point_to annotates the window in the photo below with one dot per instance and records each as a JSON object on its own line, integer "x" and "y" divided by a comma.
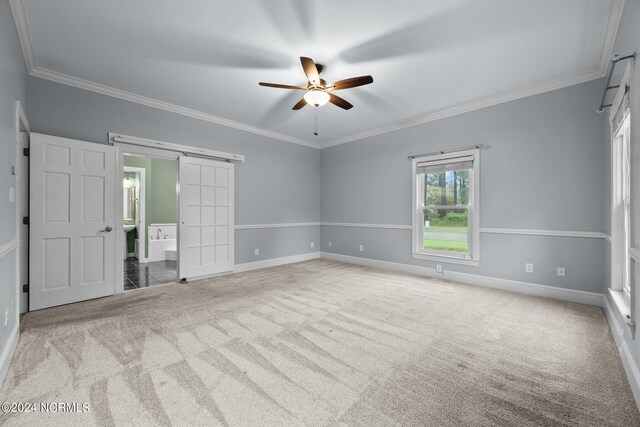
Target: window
{"x": 445, "y": 207}
{"x": 621, "y": 209}
{"x": 621, "y": 243}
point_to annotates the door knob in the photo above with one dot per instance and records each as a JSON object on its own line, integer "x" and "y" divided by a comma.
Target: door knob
{"x": 107, "y": 229}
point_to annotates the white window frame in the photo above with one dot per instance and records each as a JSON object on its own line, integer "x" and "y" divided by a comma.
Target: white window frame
{"x": 418, "y": 252}
{"x": 623, "y": 254}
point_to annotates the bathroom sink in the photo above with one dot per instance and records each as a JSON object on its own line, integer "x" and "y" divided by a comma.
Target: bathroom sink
{"x": 128, "y": 228}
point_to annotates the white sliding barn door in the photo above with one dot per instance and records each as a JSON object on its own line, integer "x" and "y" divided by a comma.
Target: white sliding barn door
{"x": 206, "y": 217}
{"x": 72, "y": 221}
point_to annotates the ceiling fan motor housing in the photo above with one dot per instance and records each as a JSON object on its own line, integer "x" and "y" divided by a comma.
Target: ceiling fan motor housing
{"x": 317, "y": 88}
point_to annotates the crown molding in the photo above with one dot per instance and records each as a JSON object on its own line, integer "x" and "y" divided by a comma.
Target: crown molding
{"x": 22, "y": 26}
{"x": 162, "y": 105}
{"x": 402, "y": 124}
{"x": 20, "y": 18}
{"x": 613, "y": 25}
{"x": 466, "y": 108}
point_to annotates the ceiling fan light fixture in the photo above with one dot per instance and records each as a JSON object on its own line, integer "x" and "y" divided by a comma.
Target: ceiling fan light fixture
{"x": 316, "y": 97}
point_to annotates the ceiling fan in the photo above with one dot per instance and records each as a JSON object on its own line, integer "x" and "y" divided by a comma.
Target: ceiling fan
{"x": 318, "y": 89}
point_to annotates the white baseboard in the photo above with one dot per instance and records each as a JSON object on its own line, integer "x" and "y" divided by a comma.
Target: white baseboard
{"x": 385, "y": 265}
{"x": 545, "y": 291}
{"x": 274, "y": 262}
{"x": 8, "y": 351}
{"x": 631, "y": 368}
{"x": 617, "y": 329}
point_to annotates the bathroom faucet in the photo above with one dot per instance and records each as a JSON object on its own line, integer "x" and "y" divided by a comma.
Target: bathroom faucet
{"x": 158, "y": 234}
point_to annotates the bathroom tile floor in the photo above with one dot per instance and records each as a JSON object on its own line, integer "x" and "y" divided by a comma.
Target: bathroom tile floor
{"x": 137, "y": 275}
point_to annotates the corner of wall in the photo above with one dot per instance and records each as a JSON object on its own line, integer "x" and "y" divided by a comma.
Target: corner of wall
{"x": 622, "y": 337}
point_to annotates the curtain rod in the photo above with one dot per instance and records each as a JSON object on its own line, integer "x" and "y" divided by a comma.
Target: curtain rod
{"x": 607, "y": 87}
{"x": 415, "y": 156}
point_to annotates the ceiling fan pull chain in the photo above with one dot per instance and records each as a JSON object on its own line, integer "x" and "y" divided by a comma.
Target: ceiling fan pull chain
{"x": 315, "y": 121}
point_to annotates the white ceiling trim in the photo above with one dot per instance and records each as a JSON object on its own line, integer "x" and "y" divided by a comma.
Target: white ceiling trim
{"x": 613, "y": 23}
{"x": 162, "y": 105}
{"x": 20, "y": 18}
{"x": 466, "y": 108}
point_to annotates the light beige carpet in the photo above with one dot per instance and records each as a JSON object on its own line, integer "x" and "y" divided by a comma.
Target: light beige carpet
{"x": 321, "y": 343}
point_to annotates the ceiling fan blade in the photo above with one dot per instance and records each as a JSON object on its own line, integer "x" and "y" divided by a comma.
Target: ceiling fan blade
{"x": 352, "y": 82}
{"x": 300, "y": 104}
{"x": 336, "y": 100}
{"x": 279, "y": 86}
{"x": 310, "y": 70}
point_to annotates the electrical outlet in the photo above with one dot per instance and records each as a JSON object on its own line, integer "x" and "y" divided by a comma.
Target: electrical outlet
{"x": 12, "y": 195}
{"x": 257, "y": 252}
{"x": 561, "y": 272}
{"x": 329, "y": 244}
{"x": 439, "y": 268}
{"x": 361, "y": 248}
{"x": 528, "y": 267}
{"x": 313, "y": 244}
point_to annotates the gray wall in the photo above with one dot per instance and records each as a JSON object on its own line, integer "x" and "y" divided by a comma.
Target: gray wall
{"x": 542, "y": 168}
{"x": 628, "y": 40}
{"x": 12, "y": 88}
{"x": 279, "y": 183}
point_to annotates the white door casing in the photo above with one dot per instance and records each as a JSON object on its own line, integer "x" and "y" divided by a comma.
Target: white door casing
{"x": 22, "y": 200}
{"x": 206, "y": 232}
{"x": 72, "y": 237}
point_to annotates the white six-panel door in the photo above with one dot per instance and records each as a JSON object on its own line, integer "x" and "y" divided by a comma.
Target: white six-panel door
{"x": 206, "y": 217}
{"x": 72, "y": 221}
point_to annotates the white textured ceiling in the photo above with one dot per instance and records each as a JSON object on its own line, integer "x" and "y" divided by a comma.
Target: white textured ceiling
{"x": 425, "y": 55}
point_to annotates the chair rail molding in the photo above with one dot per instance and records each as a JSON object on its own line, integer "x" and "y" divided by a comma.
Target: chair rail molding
{"x": 363, "y": 225}
{"x": 535, "y": 232}
{"x": 9, "y": 247}
{"x": 280, "y": 225}
{"x": 486, "y": 230}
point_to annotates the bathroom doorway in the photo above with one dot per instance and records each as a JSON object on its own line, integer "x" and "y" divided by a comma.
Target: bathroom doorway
{"x": 150, "y": 215}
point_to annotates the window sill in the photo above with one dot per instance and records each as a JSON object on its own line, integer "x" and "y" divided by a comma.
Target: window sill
{"x": 446, "y": 259}
{"x": 620, "y": 303}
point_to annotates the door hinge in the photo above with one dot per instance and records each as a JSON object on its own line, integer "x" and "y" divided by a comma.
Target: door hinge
{"x": 25, "y": 288}
{"x": 25, "y": 220}
{"x": 26, "y": 152}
